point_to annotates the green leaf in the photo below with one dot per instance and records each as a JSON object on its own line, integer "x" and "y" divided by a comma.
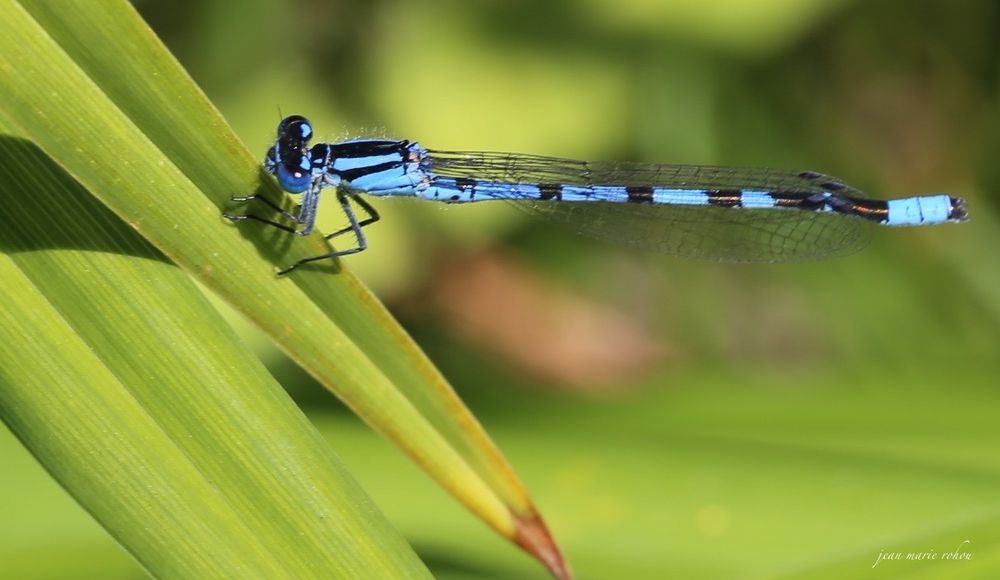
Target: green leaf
{"x": 92, "y": 86}
{"x": 134, "y": 393}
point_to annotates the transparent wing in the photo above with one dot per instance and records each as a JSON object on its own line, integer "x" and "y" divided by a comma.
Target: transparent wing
{"x": 526, "y": 169}
{"x": 711, "y": 233}
{"x": 702, "y": 231}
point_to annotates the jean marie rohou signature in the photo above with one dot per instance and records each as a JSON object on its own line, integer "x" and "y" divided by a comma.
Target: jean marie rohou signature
{"x": 959, "y": 553}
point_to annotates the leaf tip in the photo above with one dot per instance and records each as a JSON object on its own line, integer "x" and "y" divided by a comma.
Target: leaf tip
{"x": 534, "y": 537}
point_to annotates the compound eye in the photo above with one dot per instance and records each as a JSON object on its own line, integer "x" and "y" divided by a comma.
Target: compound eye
{"x": 297, "y": 178}
{"x": 295, "y": 128}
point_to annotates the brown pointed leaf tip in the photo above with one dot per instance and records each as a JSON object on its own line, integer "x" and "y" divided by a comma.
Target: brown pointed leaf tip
{"x": 534, "y": 537}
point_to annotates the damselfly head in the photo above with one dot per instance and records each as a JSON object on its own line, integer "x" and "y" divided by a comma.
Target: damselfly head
{"x": 289, "y": 158}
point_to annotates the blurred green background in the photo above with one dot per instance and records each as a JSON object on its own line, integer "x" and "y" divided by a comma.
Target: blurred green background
{"x": 671, "y": 418}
